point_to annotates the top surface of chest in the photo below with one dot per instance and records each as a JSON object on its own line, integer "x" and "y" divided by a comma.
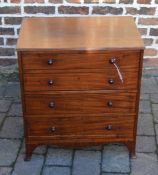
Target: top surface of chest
{"x": 79, "y": 34}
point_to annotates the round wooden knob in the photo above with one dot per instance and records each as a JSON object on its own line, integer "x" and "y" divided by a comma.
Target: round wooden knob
{"x": 112, "y": 60}
{"x": 50, "y": 61}
{"x": 51, "y": 104}
{"x": 111, "y": 81}
{"x": 50, "y": 82}
{"x": 109, "y": 103}
{"x": 53, "y": 129}
{"x": 109, "y": 127}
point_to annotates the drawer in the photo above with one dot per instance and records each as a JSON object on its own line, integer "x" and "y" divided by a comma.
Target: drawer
{"x": 106, "y": 79}
{"x": 80, "y": 103}
{"x": 52, "y": 61}
{"x": 117, "y": 126}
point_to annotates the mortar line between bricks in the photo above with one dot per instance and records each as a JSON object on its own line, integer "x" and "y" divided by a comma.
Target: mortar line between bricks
{"x": 11, "y": 138}
{"x": 154, "y": 127}
{"x": 7, "y": 166}
{"x": 149, "y": 94}
{"x": 72, "y": 163}
{"x": 117, "y": 173}
{"x": 148, "y": 152}
{"x": 9, "y": 106}
{"x": 101, "y": 161}
{"x": 7, "y": 98}
{"x": 12, "y": 99}
{"x": 18, "y": 153}
{"x": 44, "y": 161}
{"x": 146, "y": 135}
{"x": 2, "y": 123}
{"x": 13, "y": 116}
{"x": 66, "y": 166}
{"x": 130, "y": 162}
{"x": 150, "y": 76}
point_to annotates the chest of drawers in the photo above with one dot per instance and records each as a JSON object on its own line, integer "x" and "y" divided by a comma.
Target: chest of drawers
{"x": 80, "y": 81}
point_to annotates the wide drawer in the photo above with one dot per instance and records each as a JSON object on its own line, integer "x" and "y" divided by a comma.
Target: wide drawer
{"x": 117, "y": 126}
{"x": 74, "y": 103}
{"x": 51, "y": 61}
{"x": 106, "y": 79}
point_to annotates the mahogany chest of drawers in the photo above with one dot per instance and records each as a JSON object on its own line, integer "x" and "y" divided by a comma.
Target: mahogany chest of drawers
{"x": 80, "y": 80}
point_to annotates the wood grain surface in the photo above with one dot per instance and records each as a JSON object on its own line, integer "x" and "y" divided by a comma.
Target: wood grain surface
{"x": 80, "y": 103}
{"x": 79, "y": 33}
{"x": 38, "y": 60}
{"x": 108, "y": 79}
{"x": 81, "y": 125}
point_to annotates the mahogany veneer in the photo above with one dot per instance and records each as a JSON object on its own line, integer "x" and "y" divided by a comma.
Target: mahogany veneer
{"x": 80, "y": 80}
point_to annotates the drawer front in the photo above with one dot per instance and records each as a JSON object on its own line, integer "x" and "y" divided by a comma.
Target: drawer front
{"x": 118, "y": 126}
{"x": 74, "y": 103}
{"x": 53, "y": 61}
{"x": 107, "y": 79}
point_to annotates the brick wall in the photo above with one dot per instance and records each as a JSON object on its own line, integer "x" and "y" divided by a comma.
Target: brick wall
{"x": 145, "y": 13}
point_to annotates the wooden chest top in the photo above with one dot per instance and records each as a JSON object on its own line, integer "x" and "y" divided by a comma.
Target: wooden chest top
{"x": 79, "y": 34}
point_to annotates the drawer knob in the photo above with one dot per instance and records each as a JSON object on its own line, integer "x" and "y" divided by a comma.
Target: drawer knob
{"x": 50, "y": 82}
{"x": 50, "y": 61}
{"x": 111, "y": 81}
{"x": 109, "y": 103}
{"x": 112, "y": 60}
{"x": 109, "y": 127}
{"x": 53, "y": 129}
{"x": 51, "y": 104}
